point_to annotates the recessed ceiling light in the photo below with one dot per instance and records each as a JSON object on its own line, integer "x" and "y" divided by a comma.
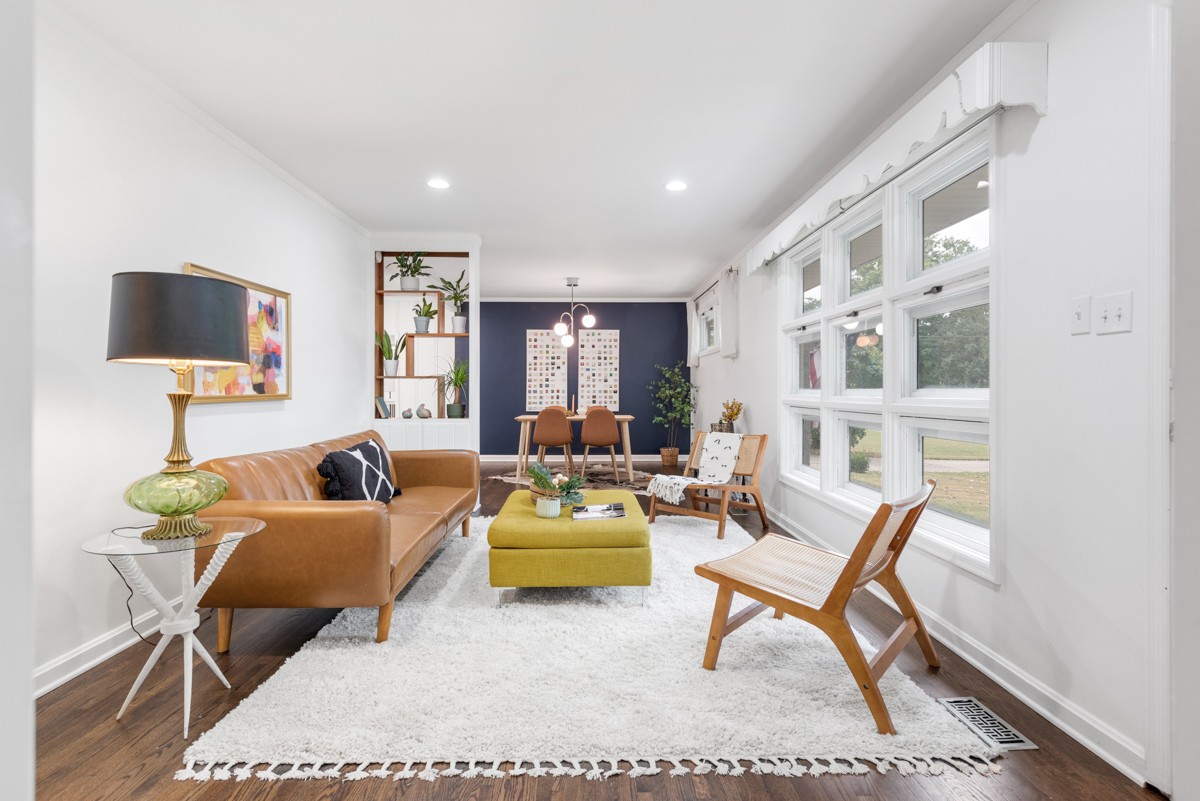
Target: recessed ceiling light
{"x": 439, "y": 183}
{"x": 676, "y": 186}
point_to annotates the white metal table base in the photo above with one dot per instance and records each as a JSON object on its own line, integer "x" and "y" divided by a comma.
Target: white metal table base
{"x": 181, "y": 622}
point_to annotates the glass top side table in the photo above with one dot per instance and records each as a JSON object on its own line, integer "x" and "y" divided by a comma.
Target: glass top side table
{"x": 121, "y": 546}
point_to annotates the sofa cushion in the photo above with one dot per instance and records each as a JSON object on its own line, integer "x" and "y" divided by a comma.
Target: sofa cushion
{"x": 414, "y": 538}
{"x": 452, "y": 503}
{"x": 282, "y": 475}
{"x": 359, "y": 473}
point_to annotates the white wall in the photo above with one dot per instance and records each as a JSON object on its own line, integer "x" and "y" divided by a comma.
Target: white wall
{"x": 1065, "y": 626}
{"x": 1186, "y": 511}
{"x": 16, "y": 301}
{"x": 130, "y": 177}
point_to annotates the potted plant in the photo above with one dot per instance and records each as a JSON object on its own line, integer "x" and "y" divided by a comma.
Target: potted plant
{"x": 731, "y": 411}
{"x": 455, "y": 379}
{"x": 550, "y": 493}
{"x": 457, "y": 293}
{"x": 410, "y": 267}
{"x": 424, "y": 312}
{"x": 392, "y": 348}
{"x": 675, "y": 398}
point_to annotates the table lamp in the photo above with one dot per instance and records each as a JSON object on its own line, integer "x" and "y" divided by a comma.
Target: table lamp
{"x": 178, "y": 321}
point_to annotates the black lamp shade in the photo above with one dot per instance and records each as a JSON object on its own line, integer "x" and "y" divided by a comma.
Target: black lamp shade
{"x": 157, "y": 318}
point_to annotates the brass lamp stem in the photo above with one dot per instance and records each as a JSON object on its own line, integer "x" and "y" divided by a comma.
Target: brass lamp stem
{"x": 178, "y": 459}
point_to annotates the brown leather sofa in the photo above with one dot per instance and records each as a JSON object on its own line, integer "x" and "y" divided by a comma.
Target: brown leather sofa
{"x": 329, "y": 554}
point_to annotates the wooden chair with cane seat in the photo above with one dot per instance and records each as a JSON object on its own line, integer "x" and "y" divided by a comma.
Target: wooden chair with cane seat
{"x": 748, "y": 466}
{"x": 552, "y": 429}
{"x": 600, "y": 431}
{"x": 816, "y": 586}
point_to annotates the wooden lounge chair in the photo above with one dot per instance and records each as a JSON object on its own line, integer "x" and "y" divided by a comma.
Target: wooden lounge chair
{"x": 816, "y": 586}
{"x": 749, "y": 465}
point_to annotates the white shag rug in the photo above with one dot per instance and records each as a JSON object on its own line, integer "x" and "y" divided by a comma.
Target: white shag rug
{"x": 572, "y": 681}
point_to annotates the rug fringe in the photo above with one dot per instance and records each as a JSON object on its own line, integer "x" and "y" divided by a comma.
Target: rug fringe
{"x": 591, "y": 768}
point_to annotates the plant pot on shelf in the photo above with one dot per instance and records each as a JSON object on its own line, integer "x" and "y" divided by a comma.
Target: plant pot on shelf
{"x": 410, "y": 283}
{"x": 391, "y": 367}
{"x": 456, "y": 410}
{"x": 422, "y": 324}
{"x": 458, "y": 325}
{"x": 670, "y": 457}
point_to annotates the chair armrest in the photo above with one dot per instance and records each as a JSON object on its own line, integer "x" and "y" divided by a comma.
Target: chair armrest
{"x": 436, "y": 469}
{"x": 311, "y": 554}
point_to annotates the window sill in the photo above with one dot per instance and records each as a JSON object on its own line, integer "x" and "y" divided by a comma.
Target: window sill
{"x": 974, "y": 560}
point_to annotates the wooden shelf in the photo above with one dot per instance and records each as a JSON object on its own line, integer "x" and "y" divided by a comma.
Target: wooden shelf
{"x": 437, "y": 292}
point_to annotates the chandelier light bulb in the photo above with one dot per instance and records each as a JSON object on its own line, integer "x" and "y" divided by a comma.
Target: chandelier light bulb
{"x": 560, "y": 328}
{"x": 862, "y": 341}
{"x": 879, "y": 329}
{"x": 589, "y": 320}
{"x": 568, "y": 340}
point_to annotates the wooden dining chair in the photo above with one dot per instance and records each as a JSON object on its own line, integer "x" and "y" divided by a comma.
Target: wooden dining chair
{"x": 600, "y": 431}
{"x": 816, "y": 586}
{"x": 700, "y": 496}
{"x": 552, "y": 429}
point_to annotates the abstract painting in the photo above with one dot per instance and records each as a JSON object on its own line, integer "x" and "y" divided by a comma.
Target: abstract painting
{"x": 269, "y": 376}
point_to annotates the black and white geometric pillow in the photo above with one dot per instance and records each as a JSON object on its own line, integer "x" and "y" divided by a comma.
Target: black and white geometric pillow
{"x": 359, "y": 473}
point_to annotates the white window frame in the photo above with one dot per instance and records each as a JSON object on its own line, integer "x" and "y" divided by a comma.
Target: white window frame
{"x": 792, "y": 443}
{"x": 709, "y": 305}
{"x": 908, "y": 292}
{"x": 795, "y": 338}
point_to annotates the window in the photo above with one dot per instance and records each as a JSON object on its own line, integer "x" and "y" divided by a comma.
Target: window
{"x": 707, "y": 307}
{"x": 908, "y": 349}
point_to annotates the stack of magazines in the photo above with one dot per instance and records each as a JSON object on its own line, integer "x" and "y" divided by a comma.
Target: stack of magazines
{"x": 599, "y": 511}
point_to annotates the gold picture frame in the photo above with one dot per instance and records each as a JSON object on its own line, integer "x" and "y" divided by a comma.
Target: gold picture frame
{"x": 269, "y": 378}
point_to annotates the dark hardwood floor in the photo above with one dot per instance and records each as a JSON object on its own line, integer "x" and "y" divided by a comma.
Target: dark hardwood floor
{"x": 86, "y": 755}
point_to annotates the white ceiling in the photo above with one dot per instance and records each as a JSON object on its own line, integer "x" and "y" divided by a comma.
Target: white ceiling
{"x": 557, "y": 123}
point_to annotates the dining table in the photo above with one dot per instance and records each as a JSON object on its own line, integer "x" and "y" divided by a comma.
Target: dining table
{"x": 527, "y": 421}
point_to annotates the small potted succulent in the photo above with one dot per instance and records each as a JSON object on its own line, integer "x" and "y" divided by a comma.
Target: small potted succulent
{"x": 457, "y": 292}
{"x": 425, "y": 313}
{"x": 675, "y": 398}
{"x": 392, "y": 348}
{"x": 551, "y": 493}
{"x": 410, "y": 267}
{"x": 455, "y": 379}
{"x": 731, "y": 411}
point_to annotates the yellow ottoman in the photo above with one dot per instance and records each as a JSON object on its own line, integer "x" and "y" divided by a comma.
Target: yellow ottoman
{"x": 530, "y": 551}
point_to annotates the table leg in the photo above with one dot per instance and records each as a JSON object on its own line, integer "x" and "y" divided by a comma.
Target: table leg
{"x": 137, "y": 684}
{"x": 522, "y": 442}
{"x": 188, "y": 656}
{"x": 628, "y": 450}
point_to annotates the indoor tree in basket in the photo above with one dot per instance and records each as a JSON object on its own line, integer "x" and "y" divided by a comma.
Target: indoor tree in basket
{"x": 675, "y": 398}
{"x": 392, "y": 348}
{"x": 455, "y": 378}
{"x": 458, "y": 293}
{"x": 410, "y": 267}
{"x": 425, "y": 313}
{"x": 550, "y": 493}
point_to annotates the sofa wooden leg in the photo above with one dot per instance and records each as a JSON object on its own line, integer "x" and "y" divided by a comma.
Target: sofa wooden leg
{"x": 466, "y": 526}
{"x": 385, "y": 621}
{"x": 224, "y": 629}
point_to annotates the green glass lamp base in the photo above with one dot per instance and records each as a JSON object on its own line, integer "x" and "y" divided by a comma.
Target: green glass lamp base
{"x": 176, "y": 497}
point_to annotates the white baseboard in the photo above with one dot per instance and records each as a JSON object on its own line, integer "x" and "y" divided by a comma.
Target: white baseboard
{"x": 60, "y": 670}
{"x": 1097, "y": 736}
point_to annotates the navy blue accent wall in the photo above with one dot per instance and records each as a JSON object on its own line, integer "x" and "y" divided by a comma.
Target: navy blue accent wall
{"x": 651, "y": 333}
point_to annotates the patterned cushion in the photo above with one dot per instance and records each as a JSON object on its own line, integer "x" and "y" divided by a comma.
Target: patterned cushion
{"x": 359, "y": 473}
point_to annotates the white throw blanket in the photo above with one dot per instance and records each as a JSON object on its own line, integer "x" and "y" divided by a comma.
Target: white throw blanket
{"x": 717, "y": 460}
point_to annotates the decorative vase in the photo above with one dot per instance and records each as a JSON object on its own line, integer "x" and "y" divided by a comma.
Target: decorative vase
{"x": 410, "y": 283}
{"x": 549, "y": 507}
{"x": 720, "y": 428}
{"x": 670, "y": 456}
{"x": 422, "y": 324}
{"x": 391, "y": 366}
{"x": 457, "y": 410}
{"x": 458, "y": 325}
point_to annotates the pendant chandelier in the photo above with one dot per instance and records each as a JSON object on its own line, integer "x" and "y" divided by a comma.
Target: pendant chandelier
{"x": 565, "y": 327}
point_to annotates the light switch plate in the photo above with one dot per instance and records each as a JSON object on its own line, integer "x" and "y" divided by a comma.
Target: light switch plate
{"x": 1114, "y": 313}
{"x": 1081, "y": 315}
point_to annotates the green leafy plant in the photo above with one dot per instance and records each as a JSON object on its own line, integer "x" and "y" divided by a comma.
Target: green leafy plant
{"x": 456, "y": 378}
{"x": 675, "y": 398}
{"x": 424, "y": 308}
{"x": 410, "y": 265}
{"x": 559, "y": 486}
{"x": 392, "y": 348}
{"x": 456, "y": 291}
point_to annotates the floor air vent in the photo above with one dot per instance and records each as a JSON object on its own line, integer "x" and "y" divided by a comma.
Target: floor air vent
{"x": 986, "y": 724}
